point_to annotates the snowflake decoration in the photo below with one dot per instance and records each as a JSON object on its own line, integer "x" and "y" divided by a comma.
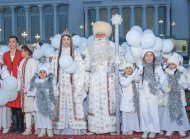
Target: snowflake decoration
{"x": 116, "y": 19}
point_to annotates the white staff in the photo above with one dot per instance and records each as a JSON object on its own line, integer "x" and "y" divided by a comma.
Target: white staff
{"x": 116, "y": 20}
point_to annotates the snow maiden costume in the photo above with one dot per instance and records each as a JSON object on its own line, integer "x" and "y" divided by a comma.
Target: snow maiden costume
{"x": 174, "y": 114}
{"x": 44, "y": 103}
{"x": 129, "y": 103}
{"x": 70, "y": 90}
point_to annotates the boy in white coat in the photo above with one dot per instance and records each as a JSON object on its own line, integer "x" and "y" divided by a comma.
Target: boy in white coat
{"x": 129, "y": 101}
{"x": 26, "y": 70}
{"x": 174, "y": 114}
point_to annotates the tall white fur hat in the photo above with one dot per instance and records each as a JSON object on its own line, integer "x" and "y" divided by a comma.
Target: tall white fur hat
{"x": 173, "y": 59}
{"x": 102, "y": 27}
{"x": 43, "y": 66}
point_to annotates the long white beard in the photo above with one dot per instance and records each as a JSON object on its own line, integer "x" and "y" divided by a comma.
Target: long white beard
{"x": 100, "y": 51}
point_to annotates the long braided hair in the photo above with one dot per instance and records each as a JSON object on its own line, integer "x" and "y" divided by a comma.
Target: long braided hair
{"x": 65, "y": 33}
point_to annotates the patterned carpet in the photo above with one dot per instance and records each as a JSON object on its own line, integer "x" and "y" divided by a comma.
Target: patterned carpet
{"x": 104, "y": 136}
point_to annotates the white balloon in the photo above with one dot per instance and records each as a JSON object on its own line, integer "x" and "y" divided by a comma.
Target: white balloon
{"x": 72, "y": 68}
{"x": 65, "y": 61}
{"x": 49, "y": 52}
{"x": 168, "y": 46}
{"x": 137, "y": 28}
{"x": 12, "y": 95}
{"x": 129, "y": 58}
{"x": 45, "y": 46}
{"x": 4, "y": 49}
{"x": 4, "y": 97}
{"x": 84, "y": 41}
{"x": 158, "y": 45}
{"x": 56, "y": 40}
{"x": 37, "y": 54}
{"x": 9, "y": 83}
{"x": 90, "y": 40}
{"x": 133, "y": 38}
{"x": 136, "y": 51}
{"x": 77, "y": 40}
{"x": 148, "y": 31}
{"x": 148, "y": 40}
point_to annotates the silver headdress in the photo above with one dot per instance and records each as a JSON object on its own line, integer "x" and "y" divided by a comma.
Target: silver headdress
{"x": 66, "y": 33}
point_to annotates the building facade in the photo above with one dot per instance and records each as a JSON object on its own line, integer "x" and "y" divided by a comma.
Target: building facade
{"x": 167, "y": 18}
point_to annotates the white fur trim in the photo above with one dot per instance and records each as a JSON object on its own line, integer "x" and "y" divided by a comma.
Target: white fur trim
{"x": 102, "y": 27}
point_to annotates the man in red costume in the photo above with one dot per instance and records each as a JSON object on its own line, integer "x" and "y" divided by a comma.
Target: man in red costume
{"x": 12, "y": 59}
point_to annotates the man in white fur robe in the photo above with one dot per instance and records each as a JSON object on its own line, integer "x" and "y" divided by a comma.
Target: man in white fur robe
{"x": 102, "y": 103}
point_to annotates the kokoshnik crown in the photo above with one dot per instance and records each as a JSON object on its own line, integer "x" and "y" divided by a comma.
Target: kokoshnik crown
{"x": 66, "y": 33}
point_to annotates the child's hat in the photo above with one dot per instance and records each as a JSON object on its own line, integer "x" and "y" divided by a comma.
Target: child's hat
{"x": 173, "y": 59}
{"x": 43, "y": 66}
{"x": 129, "y": 65}
{"x": 147, "y": 50}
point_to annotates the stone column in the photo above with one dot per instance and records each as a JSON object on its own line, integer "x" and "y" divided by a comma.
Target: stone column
{"x": 26, "y": 7}
{"x": 168, "y": 22}
{"x": 144, "y": 26}
{"x": 97, "y": 13}
{"x": 109, "y": 14}
{"x": 86, "y": 28}
{"x": 41, "y": 22}
{"x": 13, "y": 19}
{"x": 156, "y": 19}
{"x": 55, "y": 18}
{"x": 132, "y": 15}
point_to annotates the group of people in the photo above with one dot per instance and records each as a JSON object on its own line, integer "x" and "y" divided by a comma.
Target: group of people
{"x": 84, "y": 101}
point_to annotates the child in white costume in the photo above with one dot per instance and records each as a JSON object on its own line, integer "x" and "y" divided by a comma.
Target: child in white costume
{"x": 152, "y": 80}
{"x": 42, "y": 86}
{"x": 26, "y": 70}
{"x": 174, "y": 116}
{"x": 5, "y": 112}
{"x": 129, "y": 101}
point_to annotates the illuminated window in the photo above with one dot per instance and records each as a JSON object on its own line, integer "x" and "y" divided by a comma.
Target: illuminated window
{"x": 138, "y": 16}
{"x": 150, "y": 18}
{"x": 103, "y": 15}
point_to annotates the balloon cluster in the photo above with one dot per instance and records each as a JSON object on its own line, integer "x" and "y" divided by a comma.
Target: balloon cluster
{"x": 138, "y": 40}
{"x": 8, "y": 92}
{"x": 46, "y": 50}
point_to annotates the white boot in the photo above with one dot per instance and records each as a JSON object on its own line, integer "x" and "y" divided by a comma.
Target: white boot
{"x": 27, "y": 131}
{"x": 161, "y": 133}
{"x": 130, "y": 132}
{"x": 182, "y": 134}
{"x": 169, "y": 133}
{"x": 50, "y": 132}
{"x": 145, "y": 135}
{"x": 152, "y": 135}
{"x": 42, "y": 132}
{"x": 5, "y": 130}
{"x": 37, "y": 131}
{"x": 28, "y": 117}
